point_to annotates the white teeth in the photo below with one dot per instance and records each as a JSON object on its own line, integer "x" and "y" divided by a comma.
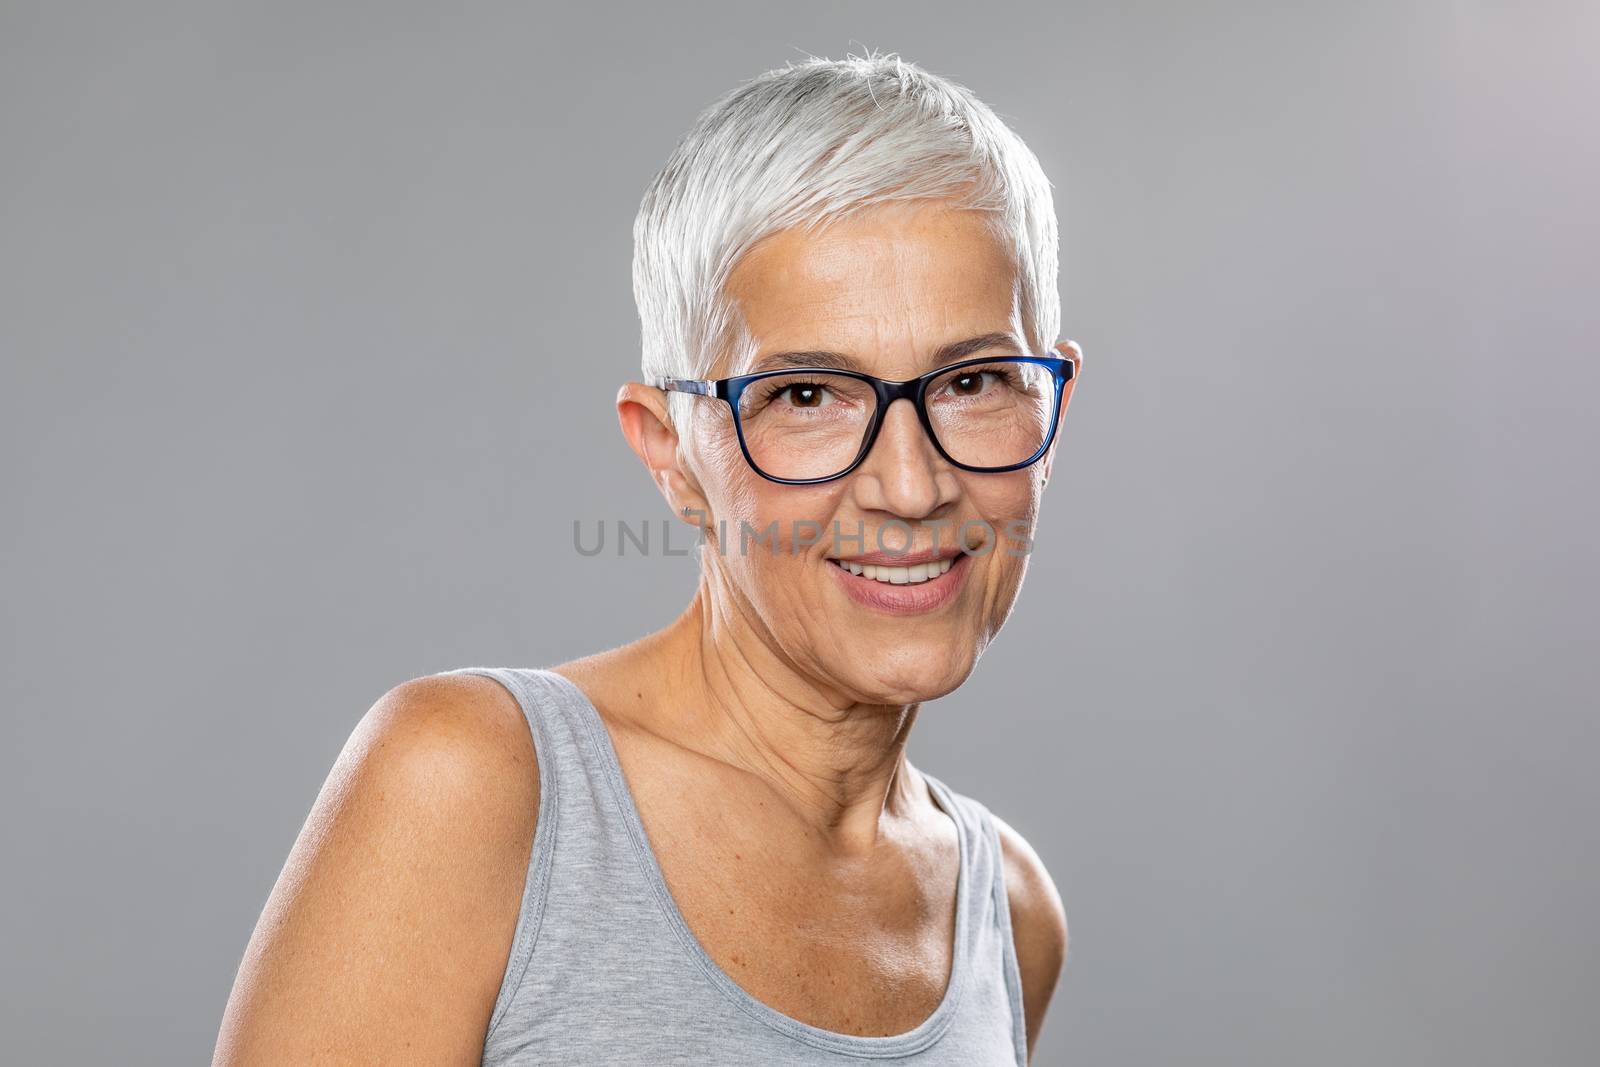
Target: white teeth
{"x": 913, "y": 575}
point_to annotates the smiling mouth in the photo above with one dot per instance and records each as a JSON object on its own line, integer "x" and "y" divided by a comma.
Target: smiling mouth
{"x": 916, "y": 574}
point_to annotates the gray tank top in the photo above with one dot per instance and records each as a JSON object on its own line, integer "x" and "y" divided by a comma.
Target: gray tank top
{"x": 604, "y": 969}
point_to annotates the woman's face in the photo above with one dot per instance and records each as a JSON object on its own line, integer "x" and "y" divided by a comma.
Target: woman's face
{"x": 888, "y": 288}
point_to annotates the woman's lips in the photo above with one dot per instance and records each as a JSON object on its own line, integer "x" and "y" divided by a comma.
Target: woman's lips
{"x": 902, "y": 595}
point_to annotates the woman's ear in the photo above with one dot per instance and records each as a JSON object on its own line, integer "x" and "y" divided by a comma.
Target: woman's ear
{"x": 647, "y": 425}
{"x": 1073, "y": 351}
{"x": 1068, "y": 350}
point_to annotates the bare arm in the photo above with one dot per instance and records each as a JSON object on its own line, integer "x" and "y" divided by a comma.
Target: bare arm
{"x": 386, "y": 936}
{"x": 1038, "y": 926}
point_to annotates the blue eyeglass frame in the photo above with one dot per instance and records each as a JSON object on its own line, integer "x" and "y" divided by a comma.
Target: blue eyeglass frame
{"x": 1062, "y": 370}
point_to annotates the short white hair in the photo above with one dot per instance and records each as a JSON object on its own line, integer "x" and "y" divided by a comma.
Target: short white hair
{"x": 802, "y": 145}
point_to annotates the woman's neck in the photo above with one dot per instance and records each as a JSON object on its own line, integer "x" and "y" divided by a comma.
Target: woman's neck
{"x": 838, "y": 765}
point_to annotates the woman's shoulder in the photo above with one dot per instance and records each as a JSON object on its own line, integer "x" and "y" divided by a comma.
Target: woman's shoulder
{"x": 446, "y": 757}
{"x": 443, "y": 764}
{"x": 453, "y": 728}
{"x": 411, "y": 862}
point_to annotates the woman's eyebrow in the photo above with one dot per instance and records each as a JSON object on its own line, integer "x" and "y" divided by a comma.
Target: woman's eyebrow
{"x": 950, "y": 353}
{"x": 831, "y": 360}
{"x": 958, "y": 350}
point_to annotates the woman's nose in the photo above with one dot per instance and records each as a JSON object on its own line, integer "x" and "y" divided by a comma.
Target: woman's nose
{"x": 901, "y": 473}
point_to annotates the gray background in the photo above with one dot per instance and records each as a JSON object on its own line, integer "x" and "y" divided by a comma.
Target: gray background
{"x": 312, "y": 316}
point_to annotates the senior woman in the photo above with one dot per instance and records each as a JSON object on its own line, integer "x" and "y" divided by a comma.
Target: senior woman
{"x": 708, "y": 846}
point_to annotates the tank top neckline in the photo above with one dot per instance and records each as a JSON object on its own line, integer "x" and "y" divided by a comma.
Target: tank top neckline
{"x": 905, "y": 1043}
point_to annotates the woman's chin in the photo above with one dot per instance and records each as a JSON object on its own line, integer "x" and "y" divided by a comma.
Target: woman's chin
{"x": 907, "y": 675}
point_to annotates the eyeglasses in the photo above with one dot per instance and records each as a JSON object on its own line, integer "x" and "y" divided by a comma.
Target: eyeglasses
{"x": 808, "y": 425}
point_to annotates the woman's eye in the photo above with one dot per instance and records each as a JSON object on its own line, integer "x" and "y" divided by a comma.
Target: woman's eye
{"x": 989, "y": 383}
{"x": 805, "y": 396}
{"x": 970, "y": 384}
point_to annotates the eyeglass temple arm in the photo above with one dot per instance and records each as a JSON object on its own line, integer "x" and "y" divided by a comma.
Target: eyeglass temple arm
{"x": 697, "y": 386}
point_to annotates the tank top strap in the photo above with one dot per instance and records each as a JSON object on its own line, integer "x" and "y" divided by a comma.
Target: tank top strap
{"x": 573, "y": 800}
{"x": 988, "y": 924}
